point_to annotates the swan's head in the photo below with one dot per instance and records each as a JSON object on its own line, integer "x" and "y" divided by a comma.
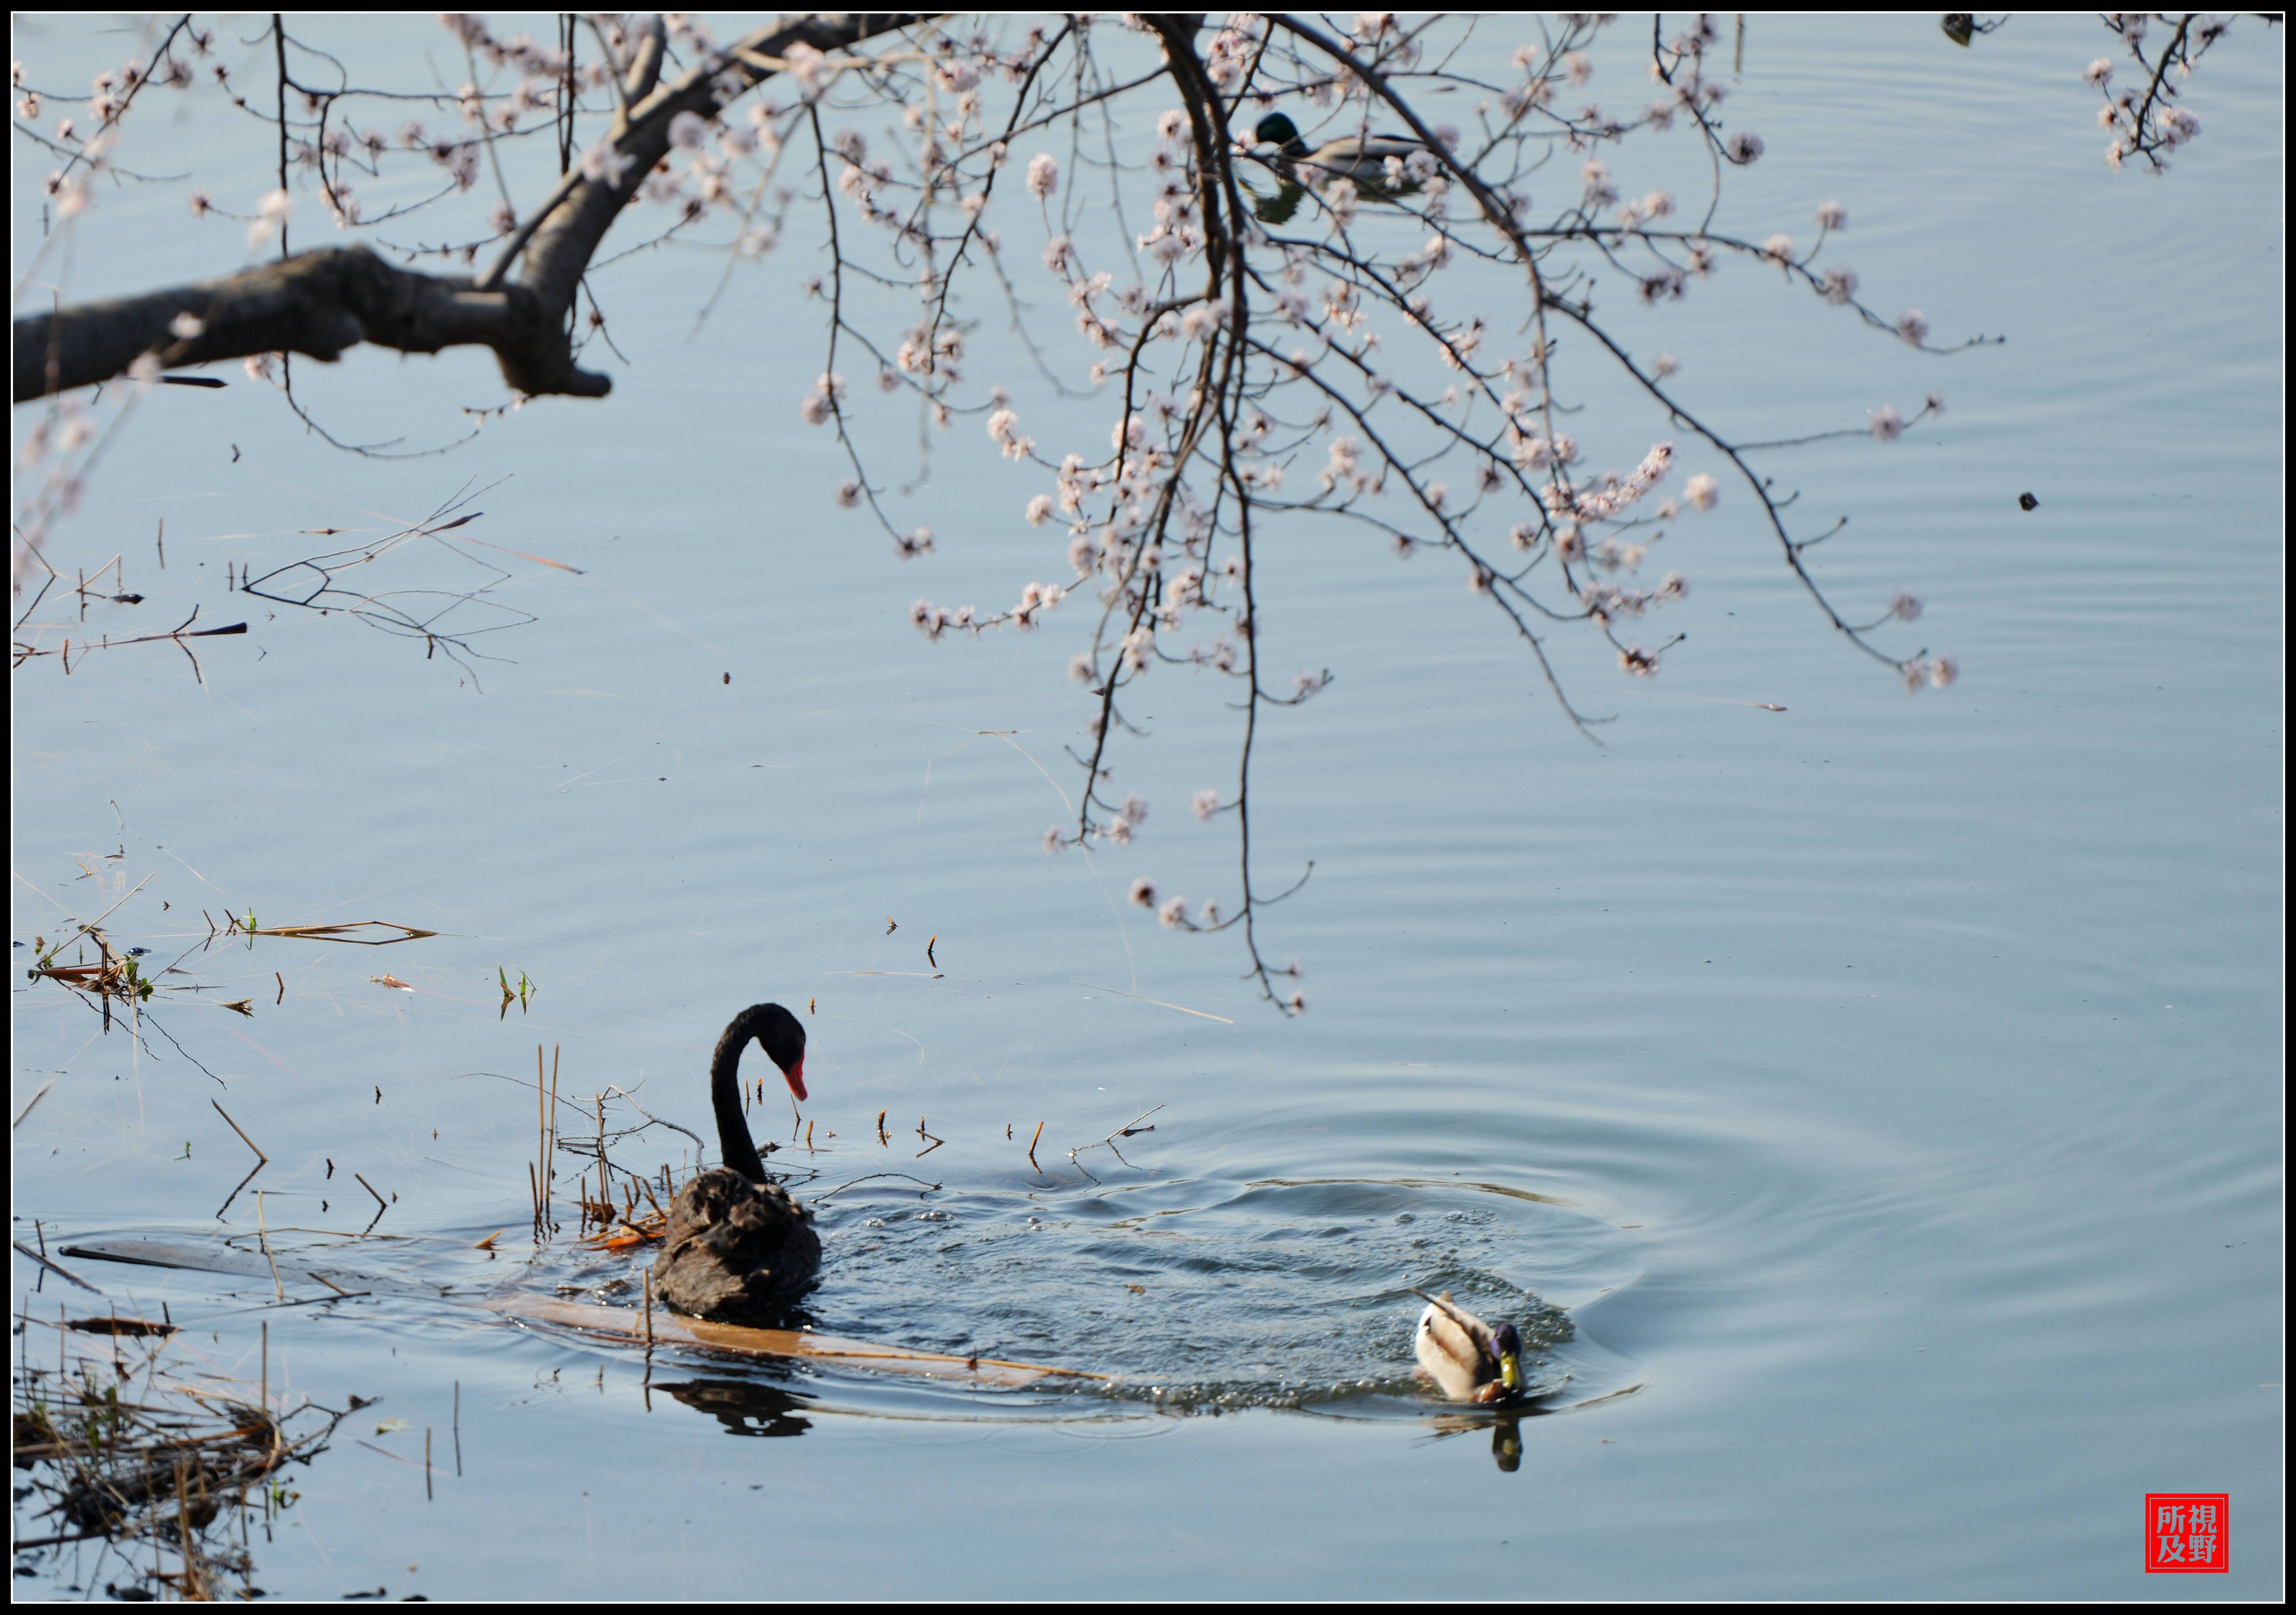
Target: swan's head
{"x": 782, "y": 1037}
{"x": 1506, "y": 1346}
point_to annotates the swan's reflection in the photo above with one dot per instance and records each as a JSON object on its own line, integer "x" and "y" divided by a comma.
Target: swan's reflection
{"x": 745, "y": 1408}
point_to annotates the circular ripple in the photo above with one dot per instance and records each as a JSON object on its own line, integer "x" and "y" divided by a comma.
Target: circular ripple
{"x": 1198, "y": 1294}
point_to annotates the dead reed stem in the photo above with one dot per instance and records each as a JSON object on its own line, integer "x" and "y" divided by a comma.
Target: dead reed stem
{"x": 263, "y": 1238}
{"x": 244, "y": 1138}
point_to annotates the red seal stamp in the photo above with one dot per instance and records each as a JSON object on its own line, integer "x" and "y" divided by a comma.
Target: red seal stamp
{"x": 2186, "y": 1532}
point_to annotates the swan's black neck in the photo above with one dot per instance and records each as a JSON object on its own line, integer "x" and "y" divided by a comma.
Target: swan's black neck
{"x": 734, "y": 1146}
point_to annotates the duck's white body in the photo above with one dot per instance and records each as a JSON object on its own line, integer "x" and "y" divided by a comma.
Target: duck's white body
{"x": 1364, "y": 162}
{"x": 1468, "y": 1359}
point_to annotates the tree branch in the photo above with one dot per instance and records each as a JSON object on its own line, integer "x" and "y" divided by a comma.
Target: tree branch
{"x": 321, "y": 303}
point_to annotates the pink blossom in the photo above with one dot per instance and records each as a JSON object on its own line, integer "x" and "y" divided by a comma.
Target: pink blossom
{"x": 602, "y": 163}
{"x": 1641, "y": 663}
{"x": 1702, "y": 491}
{"x": 1144, "y": 891}
{"x": 1832, "y": 216}
{"x": 1886, "y": 423}
{"x": 1174, "y": 913}
{"x": 1054, "y": 841}
{"x": 1904, "y": 607}
{"x": 1913, "y": 326}
{"x": 1204, "y": 804}
{"x": 1043, "y": 175}
{"x": 1744, "y": 147}
{"x": 1040, "y": 510}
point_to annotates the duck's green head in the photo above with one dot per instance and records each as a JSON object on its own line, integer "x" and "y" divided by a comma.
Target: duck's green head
{"x": 1506, "y": 1346}
{"x": 1277, "y": 130}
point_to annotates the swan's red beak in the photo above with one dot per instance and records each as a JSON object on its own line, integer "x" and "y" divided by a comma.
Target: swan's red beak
{"x": 795, "y": 1077}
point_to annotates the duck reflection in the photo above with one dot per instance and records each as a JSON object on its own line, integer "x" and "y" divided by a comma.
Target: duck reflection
{"x": 1506, "y": 1427}
{"x": 745, "y": 1408}
{"x": 1278, "y": 209}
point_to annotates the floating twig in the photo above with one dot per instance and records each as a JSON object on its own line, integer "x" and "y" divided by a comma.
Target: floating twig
{"x": 334, "y": 933}
{"x": 865, "y": 1177}
{"x": 382, "y": 1205}
{"x": 263, "y": 1238}
{"x": 51, "y": 1082}
{"x": 235, "y": 1128}
{"x": 24, "y": 1249}
{"x": 116, "y": 1324}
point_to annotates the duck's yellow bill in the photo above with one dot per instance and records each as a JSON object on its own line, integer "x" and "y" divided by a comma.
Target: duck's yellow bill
{"x": 1511, "y": 1372}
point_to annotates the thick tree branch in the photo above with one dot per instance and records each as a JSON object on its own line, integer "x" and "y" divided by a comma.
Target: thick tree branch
{"x": 318, "y": 303}
{"x": 321, "y": 303}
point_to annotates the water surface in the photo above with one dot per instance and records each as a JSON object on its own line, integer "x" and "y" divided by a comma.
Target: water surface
{"x": 1888, "y": 1087}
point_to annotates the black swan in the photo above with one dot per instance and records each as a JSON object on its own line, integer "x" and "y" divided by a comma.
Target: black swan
{"x": 738, "y": 1247}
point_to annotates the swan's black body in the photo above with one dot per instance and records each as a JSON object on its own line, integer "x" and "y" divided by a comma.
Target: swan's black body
{"x": 739, "y": 1247}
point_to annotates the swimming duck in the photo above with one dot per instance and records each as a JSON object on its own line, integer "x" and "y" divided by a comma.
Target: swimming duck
{"x": 1350, "y": 157}
{"x": 1472, "y": 1361}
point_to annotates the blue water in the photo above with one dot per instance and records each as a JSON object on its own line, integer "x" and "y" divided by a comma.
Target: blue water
{"x": 1888, "y": 1087}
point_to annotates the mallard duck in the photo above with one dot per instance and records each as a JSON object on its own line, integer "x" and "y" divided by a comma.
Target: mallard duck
{"x": 739, "y": 1246}
{"x": 1363, "y": 159}
{"x": 1472, "y": 1361}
